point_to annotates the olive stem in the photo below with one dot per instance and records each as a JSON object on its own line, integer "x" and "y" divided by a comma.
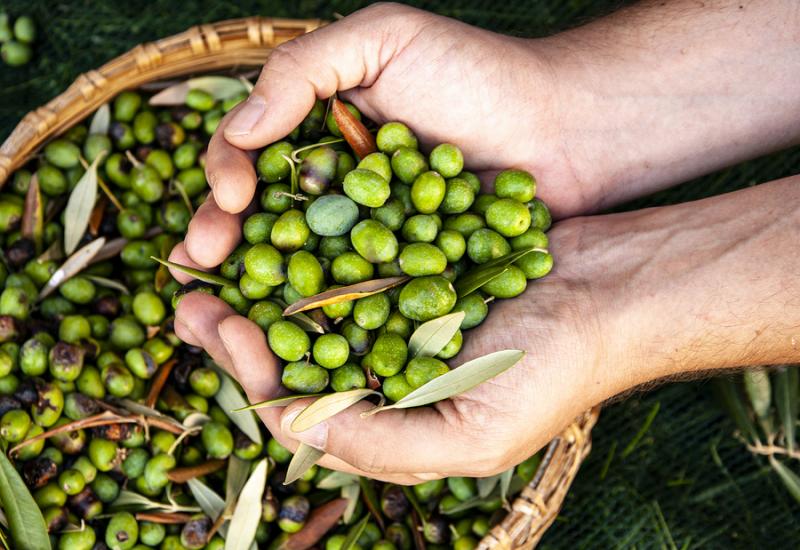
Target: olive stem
{"x": 136, "y": 162}
{"x": 294, "y": 196}
{"x": 181, "y": 437}
{"x": 293, "y": 170}
{"x": 313, "y": 146}
{"x": 182, "y": 192}
{"x": 489, "y": 300}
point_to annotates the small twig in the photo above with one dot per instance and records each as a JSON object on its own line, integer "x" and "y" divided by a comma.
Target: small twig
{"x": 182, "y": 475}
{"x": 769, "y": 450}
{"x": 158, "y": 382}
{"x": 168, "y": 518}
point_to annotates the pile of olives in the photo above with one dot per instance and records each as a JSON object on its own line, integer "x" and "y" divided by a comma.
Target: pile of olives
{"x": 16, "y": 39}
{"x": 330, "y": 220}
{"x": 101, "y": 342}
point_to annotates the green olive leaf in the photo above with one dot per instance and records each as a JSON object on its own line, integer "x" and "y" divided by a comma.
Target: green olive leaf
{"x": 487, "y": 484}
{"x": 759, "y": 391}
{"x": 472, "y": 281}
{"x": 79, "y": 206}
{"x": 350, "y": 493}
{"x": 101, "y": 120}
{"x": 220, "y": 87}
{"x": 505, "y": 483}
{"x": 231, "y": 400}
{"x": 304, "y": 458}
{"x": 74, "y": 264}
{"x": 344, "y": 294}
{"x": 328, "y": 406}
{"x": 235, "y": 479}
{"x": 109, "y": 283}
{"x": 355, "y": 533}
{"x": 208, "y": 500}
{"x": 129, "y": 501}
{"x": 371, "y": 500}
{"x": 788, "y": 477}
{"x": 26, "y": 523}
{"x": 785, "y": 388}
{"x": 279, "y": 401}
{"x": 32, "y": 226}
{"x": 727, "y": 392}
{"x": 482, "y": 274}
{"x": 458, "y": 380}
{"x": 337, "y": 480}
{"x": 431, "y": 337}
{"x": 209, "y": 278}
{"x": 247, "y": 514}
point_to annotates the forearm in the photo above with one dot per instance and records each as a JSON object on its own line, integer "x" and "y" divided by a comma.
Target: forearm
{"x": 665, "y": 91}
{"x": 706, "y": 285}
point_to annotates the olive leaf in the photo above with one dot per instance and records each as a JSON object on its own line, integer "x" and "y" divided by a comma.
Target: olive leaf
{"x": 32, "y": 226}
{"x": 757, "y": 386}
{"x": 350, "y": 493}
{"x": 354, "y": 534}
{"x": 26, "y": 523}
{"x": 80, "y": 205}
{"x": 472, "y": 281}
{"x": 482, "y": 274}
{"x": 487, "y": 484}
{"x": 129, "y": 501}
{"x": 785, "y": 388}
{"x": 230, "y": 399}
{"x": 371, "y": 500}
{"x": 101, "y": 120}
{"x": 109, "y": 283}
{"x": 505, "y": 483}
{"x": 344, "y": 294}
{"x": 209, "y": 278}
{"x": 220, "y": 87}
{"x": 208, "y": 500}
{"x": 235, "y": 480}
{"x": 247, "y": 514}
{"x": 74, "y": 264}
{"x": 458, "y": 380}
{"x": 301, "y": 319}
{"x": 788, "y": 477}
{"x": 304, "y": 458}
{"x": 431, "y": 337}
{"x": 728, "y": 394}
{"x": 328, "y": 406}
{"x": 337, "y": 480}
{"x": 185, "y": 473}
{"x": 279, "y": 401}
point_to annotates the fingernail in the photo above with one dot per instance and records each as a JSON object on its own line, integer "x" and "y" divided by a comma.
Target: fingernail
{"x": 246, "y": 119}
{"x": 316, "y": 437}
{"x": 429, "y": 476}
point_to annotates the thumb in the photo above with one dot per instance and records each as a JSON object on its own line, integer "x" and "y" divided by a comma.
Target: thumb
{"x": 346, "y": 54}
{"x": 425, "y": 441}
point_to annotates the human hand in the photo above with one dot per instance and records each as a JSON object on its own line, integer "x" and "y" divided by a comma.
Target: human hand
{"x": 482, "y": 432}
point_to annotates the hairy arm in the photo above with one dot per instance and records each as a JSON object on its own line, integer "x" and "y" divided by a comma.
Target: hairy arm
{"x": 665, "y": 91}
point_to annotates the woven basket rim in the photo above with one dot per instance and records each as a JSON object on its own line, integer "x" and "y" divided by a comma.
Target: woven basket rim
{"x": 237, "y": 43}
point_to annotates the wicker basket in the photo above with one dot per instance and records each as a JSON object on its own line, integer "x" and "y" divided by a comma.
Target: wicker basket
{"x": 245, "y": 43}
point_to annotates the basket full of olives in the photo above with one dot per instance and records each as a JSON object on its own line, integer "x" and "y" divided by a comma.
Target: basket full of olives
{"x": 366, "y": 264}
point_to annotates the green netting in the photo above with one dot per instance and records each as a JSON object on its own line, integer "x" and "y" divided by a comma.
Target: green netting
{"x": 687, "y": 482}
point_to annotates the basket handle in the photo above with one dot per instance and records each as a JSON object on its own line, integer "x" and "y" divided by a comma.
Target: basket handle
{"x": 211, "y": 47}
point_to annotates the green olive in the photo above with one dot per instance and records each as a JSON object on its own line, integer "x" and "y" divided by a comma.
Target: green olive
{"x": 122, "y": 531}
{"x": 305, "y": 273}
{"x": 458, "y": 197}
{"x": 420, "y": 228}
{"x": 318, "y": 170}
{"x": 535, "y": 265}
{"x": 332, "y": 215}
{"x": 304, "y": 377}
{"x": 475, "y": 310}
{"x": 515, "y": 184}
{"x": 485, "y": 244}
{"x": 509, "y": 284}
{"x": 350, "y": 268}
{"x": 290, "y": 231}
{"x": 348, "y": 377}
{"x": 288, "y": 341}
{"x": 426, "y": 298}
{"x": 374, "y": 241}
{"x": 271, "y": 164}
{"x": 331, "y": 351}
{"x": 393, "y": 135}
{"x": 265, "y": 313}
{"x": 419, "y": 259}
{"x": 508, "y": 217}
{"x": 217, "y": 440}
{"x": 371, "y": 312}
{"x": 264, "y": 263}
{"x": 428, "y": 192}
{"x": 447, "y": 159}
{"x": 366, "y": 187}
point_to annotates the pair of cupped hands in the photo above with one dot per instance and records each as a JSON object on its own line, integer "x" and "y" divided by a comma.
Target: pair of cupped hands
{"x": 507, "y": 103}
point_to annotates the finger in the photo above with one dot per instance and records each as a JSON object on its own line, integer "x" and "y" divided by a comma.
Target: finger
{"x": 430, "y": 439}
{"x": 179, "y": 255}
{"x": 183, "y": 332}
{"x": 349, "y": 53}
{"x": 229, "y": 170}
{"x": 259, "y": 372}
{"x": 212, "y": 234}
{"x": 200, "y": 314}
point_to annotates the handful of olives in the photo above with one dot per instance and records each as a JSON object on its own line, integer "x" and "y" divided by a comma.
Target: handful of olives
{"x": 16, "y": 39}
{"x": 330, "y": 220}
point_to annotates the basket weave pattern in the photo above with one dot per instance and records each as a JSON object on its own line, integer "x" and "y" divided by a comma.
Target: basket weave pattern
{"x": 246, "y": 43}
